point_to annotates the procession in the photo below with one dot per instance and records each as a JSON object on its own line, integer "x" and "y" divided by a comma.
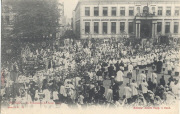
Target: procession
{"x": 88, "y": 73}
{"x": 90, "y": 54}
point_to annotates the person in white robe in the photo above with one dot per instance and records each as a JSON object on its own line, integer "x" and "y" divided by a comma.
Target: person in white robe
{"x": 119, "y": 77}
{"x": 63, "y": 91}
{"x": 80, "y": 99}
{"x": 154, "y": 79}
{"x": 127, "y": 91}
{"x": 109, "y": 95}
{"x": 134, "y": 88}
{"x": 76, "y": 80}
{"x": 46, "y": 92}
{"x": 130, "y": 68}
{"x": 144, "y": 86}
{"x": 55, "y": 95}
{"x": 174, "y": 87}
{"x": 142, "y": 77}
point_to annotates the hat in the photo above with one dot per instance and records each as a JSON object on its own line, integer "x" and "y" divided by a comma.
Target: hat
{"x": 161, "y": 86}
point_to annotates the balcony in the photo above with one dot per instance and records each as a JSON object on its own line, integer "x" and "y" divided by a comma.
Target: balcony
{"x": 145, "y": 15}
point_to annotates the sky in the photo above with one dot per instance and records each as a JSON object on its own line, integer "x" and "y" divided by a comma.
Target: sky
{"x": 69, "y": 6}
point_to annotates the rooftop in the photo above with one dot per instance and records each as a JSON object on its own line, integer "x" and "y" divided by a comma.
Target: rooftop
{"x": 81, "y": 1}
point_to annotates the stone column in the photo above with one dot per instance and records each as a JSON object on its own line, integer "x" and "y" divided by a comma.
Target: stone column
{"x": 109, "y": 27}
{"x": 100, "y": 28}
{"x": 117, "y": 28}
{"x": 91, "y": 29}
{"x": 139, "y": 30}
{"x": 155, "y": 29}
{"x": 163, "y": 27}
{"x": 171, "y": 27}
{"x": 152, "y": 30}
{"x": 126, "y": 27}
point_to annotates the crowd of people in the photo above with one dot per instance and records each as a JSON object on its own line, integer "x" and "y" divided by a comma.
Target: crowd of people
{"x": 89, "y": 72}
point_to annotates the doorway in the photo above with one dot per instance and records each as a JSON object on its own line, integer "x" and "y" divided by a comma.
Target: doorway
{"x": 146, "y": 29}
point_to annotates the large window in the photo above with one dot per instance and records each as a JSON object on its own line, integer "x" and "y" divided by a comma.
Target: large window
{"x": 130, "y": 27}
{"x": 113, "y": 27}
{"x": 167, "y": 27}
{"x": 122, "y": 26}
{"x": 153, "y": 10}
{"x": 160, "y": 11}
{"x": 113, "y": 12}
{"x": 122, "y": 11}
{"x": 96, "y": 11}
{"x": 168, "y": 11}
{"x": 104, "y": 27}
{"x": 87, "y": 11}
{"x": 138, "y": 10}
{"x": 105, "y": 11}
{"x": 96, "y": 27}
{"x": 159, "y": 27}
{"x": 87, "y": 27}
{"x": 131, "y": 11}
{"x": 145, "y": 9}
{"x": 176, "y": 27}
{"x": 177, "y": 11}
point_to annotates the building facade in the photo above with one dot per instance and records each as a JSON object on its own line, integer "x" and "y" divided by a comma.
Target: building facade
{"x": 130, "y": 18}
{"x": 7, "y": 20}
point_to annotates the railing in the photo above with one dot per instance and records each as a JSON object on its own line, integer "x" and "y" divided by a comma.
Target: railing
{"x": 145, "y": 14}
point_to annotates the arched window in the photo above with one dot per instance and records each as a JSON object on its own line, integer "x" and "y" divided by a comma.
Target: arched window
{"x": 138, "y": 9}
{"x": 145, "y": 9}
{"x": 153, "y": 10}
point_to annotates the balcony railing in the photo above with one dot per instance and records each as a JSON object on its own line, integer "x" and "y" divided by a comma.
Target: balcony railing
{"x": 145, "y": 15}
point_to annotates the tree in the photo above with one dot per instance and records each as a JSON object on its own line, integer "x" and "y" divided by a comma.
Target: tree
{"x": 35, "y": 18}
{"x": 69, "y": 34}
{"x": 32, "y": 19}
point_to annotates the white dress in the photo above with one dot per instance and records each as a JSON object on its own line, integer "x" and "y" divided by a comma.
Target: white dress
{"x": 119, "y": 76}
{"x": 130, "y": 68}
{"x": 47, "y": 95}
{"x": 127, "y": 92}
{"x": 144, "y": 87}
{"x": 154, "y": 78}
{"x": 63, "y": 91}
{"x": 109, "y": 95}
{"x": 142, "y": 77}
{"x": 55, "y": 95}
{"x": 134, "y": 88}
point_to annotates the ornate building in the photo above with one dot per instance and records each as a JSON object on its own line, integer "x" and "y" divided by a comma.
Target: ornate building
{"x": 130, "y": 18}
